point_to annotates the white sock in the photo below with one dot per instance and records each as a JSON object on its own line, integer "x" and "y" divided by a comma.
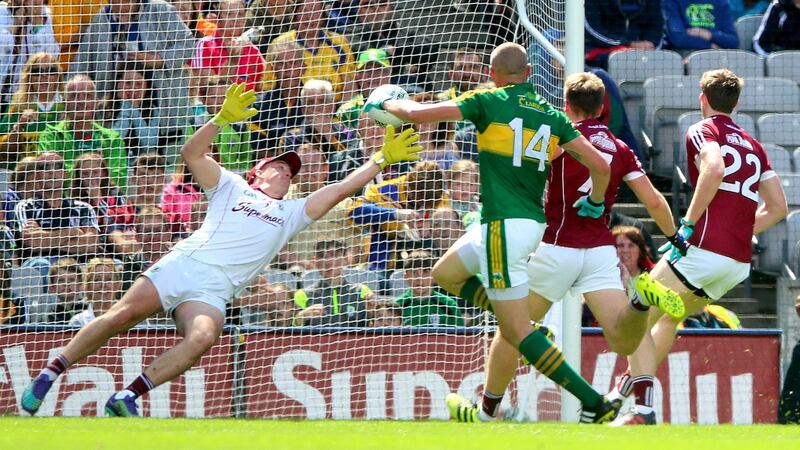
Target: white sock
{"x": 50, "y": 374}
{"x": 483, "y": 417}
{"x": 644, "y": 409}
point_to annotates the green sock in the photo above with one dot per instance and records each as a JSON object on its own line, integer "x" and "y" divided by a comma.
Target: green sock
{"x": 549, "y": 360}
{"x": 474, "y": 292}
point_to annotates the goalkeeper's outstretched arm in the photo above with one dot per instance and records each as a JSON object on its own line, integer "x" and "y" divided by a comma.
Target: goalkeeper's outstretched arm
{"x": 236, "y": 108}
{"x": 411, "y": 111}
{"x": 395, "y": 149}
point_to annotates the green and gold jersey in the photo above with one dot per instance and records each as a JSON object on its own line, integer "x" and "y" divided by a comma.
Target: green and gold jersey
{"x": 518, "y": 132}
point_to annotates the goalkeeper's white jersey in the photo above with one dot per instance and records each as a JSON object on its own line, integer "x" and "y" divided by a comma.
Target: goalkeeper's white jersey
{"x": 244, "y": 229}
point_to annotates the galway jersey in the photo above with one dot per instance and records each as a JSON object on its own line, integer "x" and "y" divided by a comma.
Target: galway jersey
{"x": 518, "y": 132}
{"x": 726, "y": 227}
{"x": 244, "y": 228}
{"x": 569, "y": 180}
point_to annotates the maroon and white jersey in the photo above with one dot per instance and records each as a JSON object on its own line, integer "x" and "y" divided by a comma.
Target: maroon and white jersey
{"x": 726, "y": 227}
{"x": 569, "y": 180}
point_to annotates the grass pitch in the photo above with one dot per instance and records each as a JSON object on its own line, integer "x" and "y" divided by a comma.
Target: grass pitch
{"x": 17, "y": 433}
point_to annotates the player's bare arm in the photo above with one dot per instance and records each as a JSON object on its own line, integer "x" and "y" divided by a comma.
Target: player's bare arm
{"x": 711, "y": 172}
{"x": 655, "y": 203}
{"x": 395, "y": 149}
{"x": 411, "y": 111}
{"x": 774, "y": 209}
{"x": 236, "y": 108}
{"x": 582, "y": 150}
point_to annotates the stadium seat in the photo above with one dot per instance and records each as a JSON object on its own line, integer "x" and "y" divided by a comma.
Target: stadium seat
{"x": 631, "y": 68}
{"x": 779, "y": 158}
{"x": 743, "y": 63}
{"x": 397, "y": 284}
{"x": 746, "y": 28}
{"x": 40, "y": 306}
{"x": 363, "y": 276}
{"x": 769, "y": 95}
{"x": 796, "y": 158}
{"x": 793, "y": 236}
{"x": 791, "y": 185}
{"x": 4, "y": 176}
{"x": 275, "y": 276}
{"x": 665, "y": 99}
{"x": 688, "y": 119}
{"x": 781, "y": 129}
{"x": 774, "y": 248}
{"x": 785, "y": 64}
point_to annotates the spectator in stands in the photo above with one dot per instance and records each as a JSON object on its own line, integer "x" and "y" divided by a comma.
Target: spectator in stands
{"x": 443, "y": 229}
{"x": 127, "y": 111}
{"x": 153, "y": 232}
{"x": 279, "y": 107}
{"x": 102, "y": 284}
{"x": 333, "y": 301}
{"x": 179, "y": 197}
{"x": 21, "y": 185}
{"x": 265, "y": 304}
{"x": 66, "y": 285}
{"x": 327, "y": 54}
{"x": 71, "y": 19}
{"x": 386, "y": 314}
{"x": 779, "y": 28}
{"x": 91, "y": 184}
{"x": 313, "y": 175}
{"x": 228, "y": 55}
{"x": 150, "y": 33}
{"x": 789, "y": 406}
{"x": 741, "y": 8}
{"x": 463, "y": 186}
{"x": 338, "y": 143}
{"x": 422, "y": 305}
{"x": 699, "y": 24}
{"x": 622, "y": 219}
{"x": 36, "y": 104}
{"x": 632, "y": 250}
{"x": 147, "y": 181}
{"x": 467, "y": 72}
{"x": 190, "y": 14}
{"x": 341, "y": 15}
{"x": 409, "y": 54}
{"x": 372, "y": 70}
{"x": 13, "y": 309}
{"x": 232, "y": 144}
{"x": 25, "y": 29}
{"x": 51, "y": 225}
{"x": 621, "y": 24}
{"x": 394, "y": 211}
{"x": 371, "y": 134}
{"x": 713, "y": 316}
{"x": 270, "y": 19}
{"x": 437, "y": 139}
{"x": 78, "y": 133}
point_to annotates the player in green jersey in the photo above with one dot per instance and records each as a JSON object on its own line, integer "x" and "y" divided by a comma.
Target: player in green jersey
{"x": 518, "y": 131}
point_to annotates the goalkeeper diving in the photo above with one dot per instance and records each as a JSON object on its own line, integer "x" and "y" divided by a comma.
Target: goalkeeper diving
{"x": 246, "y": 225}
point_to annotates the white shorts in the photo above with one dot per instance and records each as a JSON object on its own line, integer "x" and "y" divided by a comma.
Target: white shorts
{"x": 553, "y": 270}
{"x": 467, "y": 247}
{"x": 713, "y": 273}
{"x": 504, "y": 249}
{"x": 179, "y": 278}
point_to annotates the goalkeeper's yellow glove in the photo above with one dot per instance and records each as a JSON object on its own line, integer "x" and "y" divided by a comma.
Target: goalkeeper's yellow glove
{"x": 235, "y": 107}
{"x": 397, "y": 148}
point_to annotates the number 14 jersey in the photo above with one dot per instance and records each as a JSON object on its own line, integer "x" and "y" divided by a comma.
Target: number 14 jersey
{"x": 726, "y": 227}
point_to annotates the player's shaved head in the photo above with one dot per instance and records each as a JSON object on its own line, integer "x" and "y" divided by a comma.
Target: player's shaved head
{"x": 509, "y": 59}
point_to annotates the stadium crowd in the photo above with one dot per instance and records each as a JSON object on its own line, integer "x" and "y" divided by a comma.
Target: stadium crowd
{"x": 98, "y": 97}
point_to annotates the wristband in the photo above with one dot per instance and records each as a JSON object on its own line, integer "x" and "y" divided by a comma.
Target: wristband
{"x": 591, "y": 202}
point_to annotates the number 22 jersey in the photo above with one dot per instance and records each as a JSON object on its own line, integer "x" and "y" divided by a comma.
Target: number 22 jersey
{"x": 726, "y": 227}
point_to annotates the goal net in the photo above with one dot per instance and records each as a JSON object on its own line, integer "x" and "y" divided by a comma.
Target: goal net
{"x": 347, "y": 321}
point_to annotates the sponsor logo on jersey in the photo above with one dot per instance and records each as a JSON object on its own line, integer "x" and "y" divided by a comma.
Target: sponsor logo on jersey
{"x": 264, "y": 216}
{"x": 735, "y": 139}
{"x": 602, "y": 141}
{"x": 528, "y": 103}
{"x": 251, "y": 194}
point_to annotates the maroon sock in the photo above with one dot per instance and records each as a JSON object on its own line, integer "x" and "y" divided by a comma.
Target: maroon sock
{"x": 624, "y": 385}
{"x": 140, "y": 386}
{"x": 643, "y": 390}
{"x": 490, "y": 403}
{"x": 56, "y": 367}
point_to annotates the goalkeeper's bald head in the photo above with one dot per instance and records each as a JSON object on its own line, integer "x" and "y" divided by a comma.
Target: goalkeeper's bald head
{"x": 510, "y": 60}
